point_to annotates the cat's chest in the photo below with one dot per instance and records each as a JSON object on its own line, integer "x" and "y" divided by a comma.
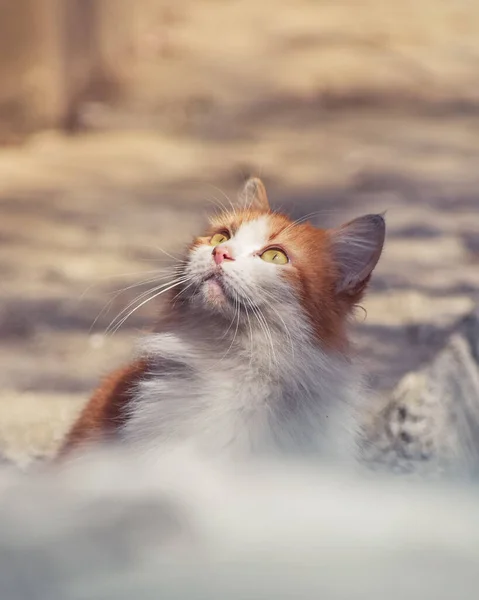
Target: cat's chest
{"x": 208, "y": 392}
{"x": 229, "y": 405}
{"x": 244, "y": 406}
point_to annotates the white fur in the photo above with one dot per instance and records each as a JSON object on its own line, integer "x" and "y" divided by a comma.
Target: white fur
{"x": 244, "y": 374}
{"x": 250, "y": 238}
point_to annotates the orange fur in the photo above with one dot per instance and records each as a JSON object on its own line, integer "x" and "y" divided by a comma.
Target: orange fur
{"x": 105, "y": 411}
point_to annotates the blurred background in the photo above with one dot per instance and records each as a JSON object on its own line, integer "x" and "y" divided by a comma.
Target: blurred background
{"x": 123, "y": 123}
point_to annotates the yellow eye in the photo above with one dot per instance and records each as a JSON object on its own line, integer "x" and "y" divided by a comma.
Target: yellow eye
{"x": 219, "y": 238}
{"x": 274, "y": 255}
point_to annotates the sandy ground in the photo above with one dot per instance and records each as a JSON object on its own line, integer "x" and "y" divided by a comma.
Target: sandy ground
{"x": 342, "y": 108}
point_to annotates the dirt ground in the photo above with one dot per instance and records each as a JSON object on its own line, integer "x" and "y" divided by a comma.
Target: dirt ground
{"x": 342, "y": 107}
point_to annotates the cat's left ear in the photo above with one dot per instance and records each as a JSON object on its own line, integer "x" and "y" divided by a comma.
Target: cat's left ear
{"x": 357, "y": 247}
{"x": 253, "y": 196}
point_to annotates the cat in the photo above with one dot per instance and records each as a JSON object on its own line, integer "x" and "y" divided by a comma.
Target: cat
{"x": 251, "y": 353}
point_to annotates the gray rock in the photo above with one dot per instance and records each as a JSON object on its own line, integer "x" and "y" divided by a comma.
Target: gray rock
{"x": 430, "y": 426}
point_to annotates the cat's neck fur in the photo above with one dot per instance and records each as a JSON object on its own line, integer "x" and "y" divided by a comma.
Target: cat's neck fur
{"x": 244, "y": 387}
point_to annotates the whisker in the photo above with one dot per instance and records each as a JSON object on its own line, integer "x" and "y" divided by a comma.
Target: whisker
{"x": 101, "y": 280}
{"x": 236, "y": 306}
{"x": 226, "y": 197}
{"x": 236, "y": 316}
{"x": 285, "y": 327}
{"x": 250, "y": 339}
{"x": 220, "y": 206}
{"x": 181, "y": 292}
{"x": 144, "y": 282}
{"x": 116, "y": 293}
{"x": 175, "y": 258}
{"x": 265, "y": 328}
{"x": 268, "y": 330}
{"x": 324, "y": 211}
{"x": 162, "y": 291}
{"x": 112, "y": 325}
{"x": 161, "y": 260}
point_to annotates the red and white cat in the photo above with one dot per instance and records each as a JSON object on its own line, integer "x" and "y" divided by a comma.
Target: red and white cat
{"x": 251, "y": 353}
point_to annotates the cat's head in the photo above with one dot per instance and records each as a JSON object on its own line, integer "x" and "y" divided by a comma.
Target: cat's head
{"x": 256, "y": 263}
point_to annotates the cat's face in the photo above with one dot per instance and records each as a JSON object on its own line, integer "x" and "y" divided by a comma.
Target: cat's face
{"x": 253, "y": 260}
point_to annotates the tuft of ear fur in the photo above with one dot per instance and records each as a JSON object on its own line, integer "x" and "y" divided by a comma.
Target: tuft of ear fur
{"x": 253, "y": 196}
{"x": 357, "y": 246}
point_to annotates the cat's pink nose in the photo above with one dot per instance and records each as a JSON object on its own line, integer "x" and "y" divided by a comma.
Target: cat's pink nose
{"x": 221, "y": 253}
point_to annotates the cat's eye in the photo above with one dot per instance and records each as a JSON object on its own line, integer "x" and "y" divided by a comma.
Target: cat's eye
{"x": 219, "y": 238}
{"x": 275, "y": 255}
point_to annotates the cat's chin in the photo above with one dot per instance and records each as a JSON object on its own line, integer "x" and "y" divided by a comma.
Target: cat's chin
{"x": 215, "y": 295}
{"x": 214, "y": 291}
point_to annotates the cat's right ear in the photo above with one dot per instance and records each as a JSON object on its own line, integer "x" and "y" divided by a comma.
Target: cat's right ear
{"x": 253, "y": 196}
{"x": 357, "y": 247}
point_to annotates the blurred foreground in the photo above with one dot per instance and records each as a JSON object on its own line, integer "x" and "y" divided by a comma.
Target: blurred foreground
{"x": 111, "y": 528}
